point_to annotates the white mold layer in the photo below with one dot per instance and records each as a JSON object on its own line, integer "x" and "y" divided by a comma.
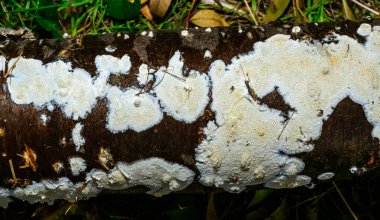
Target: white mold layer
{"x": 159, "y": 176}
{"x": 144, "y": 75}
{"x": 250, "y": 143}
{"x": 77, "y": 165}
{"x": 77, "y": 137}
{"x": 131, "y": 110}
{"x": 2, "y": 63}
{"x": 74, "y": 90}
{"x": 183, "y": 98}
{"x": 282, "y": 182}
{"x": 325, "y": 176}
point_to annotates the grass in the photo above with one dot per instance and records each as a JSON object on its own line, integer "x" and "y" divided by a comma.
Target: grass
{"x": 52, "y": 18}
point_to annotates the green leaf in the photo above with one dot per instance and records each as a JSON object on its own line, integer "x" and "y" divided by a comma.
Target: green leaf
{"x": 275, "y": 10}
{"x": 260, "y": 195}
{"x": 48, "y": 18}
{"x": 123, "y": 9}
{"x": 347, "y": 11}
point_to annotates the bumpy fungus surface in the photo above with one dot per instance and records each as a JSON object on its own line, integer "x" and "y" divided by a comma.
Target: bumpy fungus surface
{"x": 247, "y": 143}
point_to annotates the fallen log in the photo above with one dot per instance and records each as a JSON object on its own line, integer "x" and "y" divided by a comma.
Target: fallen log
{"x": 279, "y": 105}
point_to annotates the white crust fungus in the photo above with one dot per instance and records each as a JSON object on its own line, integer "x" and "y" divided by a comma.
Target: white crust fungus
{"x": 296, "y": 29}
{"x": 44, "y": 119}
{"x": 74, "y": 90}
{"x": 144, "y": 75}
{"x": 282, "y": 182}
{"x": 183, "y": 98}
{"x": 185, "y": 33}
{"x": 250, "y": 143}
{"x": 77, "y": 165}
{"x": 159, "y": 176}
{"x": 77, "y": 137}
{"x": 207, "y": 54}
{"x": 131, "y": 110}
{"x": 364, "y": 29}
{"x": 325, "y": 176}
{"x": 2, "y": 63}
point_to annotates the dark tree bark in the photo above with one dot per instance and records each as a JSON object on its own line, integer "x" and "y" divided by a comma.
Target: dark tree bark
{"x": 35, "y": 147}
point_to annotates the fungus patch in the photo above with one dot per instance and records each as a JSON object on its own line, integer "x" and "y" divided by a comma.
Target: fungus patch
{"x": 325, "y": 176}
{"x": 131, "y": 110}
{"x": 77, "y": 137}
{"x": 159, "y": 176}
{"x": 282, "y": 182}
{"x": 44, "y": 119}
{"x": 74, "y": 90}
{"x": 183, "y": 98}
{"x": 144, "y": 75}
{"x": 2, "y": 63}
{"x": 185, "y": 33}
{"x": 77, "y": 165}
{"x": 110, "y": 49}
{"x": 249, "y": 142}
{"x": 207, "y": 54}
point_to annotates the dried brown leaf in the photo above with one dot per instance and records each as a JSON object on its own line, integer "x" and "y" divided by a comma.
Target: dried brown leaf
{"x": 159, "y": 7}
{"x": 347, "y": 11}
{"x": 208, "y": 18}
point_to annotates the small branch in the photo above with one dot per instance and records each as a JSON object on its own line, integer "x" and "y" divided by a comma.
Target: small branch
{"x": 365, "y": 7}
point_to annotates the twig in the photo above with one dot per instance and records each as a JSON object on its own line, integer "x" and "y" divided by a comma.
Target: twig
{"x": 344, "y": 201}
{"x": 250, "y": 12}
{"x": 188, "y": 13}
{"x": 365, "y": 7}
{"x": 9, "y": 71}
{"x": 13, "y": 174}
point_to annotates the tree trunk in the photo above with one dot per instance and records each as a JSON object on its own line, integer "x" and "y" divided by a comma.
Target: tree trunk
{"x": 278, "y": 105}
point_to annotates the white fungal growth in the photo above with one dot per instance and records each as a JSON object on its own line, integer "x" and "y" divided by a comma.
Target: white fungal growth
{"x": 296, "y": 29}
{"x": 126, "y": 36}
{"x": 288, "y": 182}
{"x": 30, "y": 82}
{"x": 74, "y": 90}
{"x": 185, "y": 33}
{"x": 2, "y": 63}
{"x": 110, "y": 48}
{"x": 208, "y": 30}
{"x": 4, "y": 198}
{"x": 159, "y": 176}
{"x": 325, "y": 176}
{"x": 77, "y": 165}
{"x": 109, "y": 64}
{"x": 143, "y": 76}
{"x": 245, "y": 127}
{"x": 44, "y": 119}
{"x": 364, "y": 29}
{"x": 151, "y": 34}
{"x": 207, "y": 54}
{"x": 77, "y": 137}
{"x": 183, "y": 98}
{"x": 131, "y": 110}
{"x": 143, "y": 33}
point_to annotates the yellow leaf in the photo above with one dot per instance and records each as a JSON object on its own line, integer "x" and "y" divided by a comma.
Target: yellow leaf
{"x": 159, "y": 7}
{"x": 275, "y": 10}
{"x": 146, "y": 12}
{"x": 208, "y": 18}
{"x": 298, "y": 14}
{"x": 347, "y": 11}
